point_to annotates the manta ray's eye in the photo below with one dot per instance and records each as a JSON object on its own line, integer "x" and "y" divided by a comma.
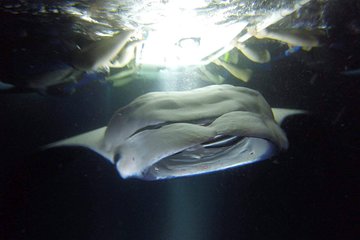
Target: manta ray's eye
{"x": 117, "y": 157}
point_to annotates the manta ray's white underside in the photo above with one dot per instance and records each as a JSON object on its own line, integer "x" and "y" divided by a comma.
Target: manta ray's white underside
{"x": 171, "y": 134}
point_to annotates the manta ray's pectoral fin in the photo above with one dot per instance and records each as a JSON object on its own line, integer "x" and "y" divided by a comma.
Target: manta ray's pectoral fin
{"x": 92, "y": 140}
{"x": 280, "y": 114}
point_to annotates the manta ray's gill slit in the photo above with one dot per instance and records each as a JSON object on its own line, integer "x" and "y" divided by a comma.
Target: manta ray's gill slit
{"x": 149, "y": 127}
{"x": 201, "y": 122}
{"x": 222, "y": 141}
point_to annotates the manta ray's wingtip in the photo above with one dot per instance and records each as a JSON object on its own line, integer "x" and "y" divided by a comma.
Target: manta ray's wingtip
{"x": 92, "y": 140}
{"x": 280, "y": 114}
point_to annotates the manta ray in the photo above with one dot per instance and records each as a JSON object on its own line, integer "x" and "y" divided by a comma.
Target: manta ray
{"x": 163, "y": 135}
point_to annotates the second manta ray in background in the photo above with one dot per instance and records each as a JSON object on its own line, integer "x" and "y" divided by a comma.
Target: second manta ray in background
{"x": 172, "y": 134}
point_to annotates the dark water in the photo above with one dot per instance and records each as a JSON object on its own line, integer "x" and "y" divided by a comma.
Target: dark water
{"x": 310, "y": 191}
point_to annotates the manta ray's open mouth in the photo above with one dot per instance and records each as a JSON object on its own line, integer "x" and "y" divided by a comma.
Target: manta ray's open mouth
{"x": 214, "y": 156}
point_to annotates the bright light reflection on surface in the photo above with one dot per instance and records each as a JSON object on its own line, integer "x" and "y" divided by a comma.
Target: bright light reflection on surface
{"x": 185, "y": 39}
